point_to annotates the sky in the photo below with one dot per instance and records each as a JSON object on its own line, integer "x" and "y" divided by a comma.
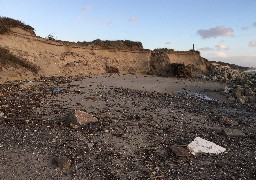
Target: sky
{"x": 222, "y": 30}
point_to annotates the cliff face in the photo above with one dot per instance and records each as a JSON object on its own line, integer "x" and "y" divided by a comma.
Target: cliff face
{"x": 57, "y": 58}
{"x": 166, "y": 62}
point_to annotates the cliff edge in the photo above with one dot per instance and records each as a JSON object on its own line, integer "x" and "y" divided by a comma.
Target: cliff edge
{"x": 34, "y": 56}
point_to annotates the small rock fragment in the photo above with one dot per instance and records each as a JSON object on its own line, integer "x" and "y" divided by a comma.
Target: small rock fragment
{"x": 1, "y": 114}
{"x": 234, "y": 132}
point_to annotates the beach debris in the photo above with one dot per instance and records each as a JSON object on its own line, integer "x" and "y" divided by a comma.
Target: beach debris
{"x": 180, "y": 151}
{"x": 200, "y": 145}
{"x": 56, "y": 91}
{"x": 77, "y": 118}
{"x": 227, "y": 121}
{"x": 234, "y": 132}
{"x": 197, "y": 95}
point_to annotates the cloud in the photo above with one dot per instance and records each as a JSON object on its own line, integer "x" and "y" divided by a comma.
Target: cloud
{"x": 252, "y": 43}
{"x": 254, "y": 24}
{"x": 167, "y": 43}
{"x": 221, "y": 46}
{"x": 205, "y": 49}
{"x": 215, "y": 32}
{"x": 85, "y": 9}
{"x": 133, "y": 19}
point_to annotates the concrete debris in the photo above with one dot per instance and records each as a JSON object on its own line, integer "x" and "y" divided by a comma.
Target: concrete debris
{"x": 200, "y": 145}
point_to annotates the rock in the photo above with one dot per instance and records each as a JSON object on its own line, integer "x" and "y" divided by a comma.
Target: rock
{"x": 239, "y": 94}
{"x": 1, "y": 114}
{"x": 180, "y": 151}
{"x": 248, "y": 91}
{"x": 227, "y": 90}
{"x": 200, "y": 145}
{"x": 231, "y": 98}
{"x": 77, "y": 118}
{"x": 234, "y": 133}
{"x": 227, "y": 121}
{"x": 63, "y": 163}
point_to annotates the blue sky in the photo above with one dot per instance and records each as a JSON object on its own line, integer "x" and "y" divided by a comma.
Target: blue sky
{"x": 221, "y": 29}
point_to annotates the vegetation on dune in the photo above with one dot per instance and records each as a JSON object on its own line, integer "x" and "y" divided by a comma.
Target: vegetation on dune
{"x": 7, "y": 23}
{"x": 118, "y": 44}
{"x": 6, "y": 58}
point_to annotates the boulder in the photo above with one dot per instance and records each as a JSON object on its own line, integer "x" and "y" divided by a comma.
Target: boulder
{"x": 78, "y": 118}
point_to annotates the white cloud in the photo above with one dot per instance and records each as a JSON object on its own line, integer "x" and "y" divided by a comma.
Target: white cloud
{"x": 167, "y": 43}
{"x": 221, "y": 46}
{"x": 254, "y": 24}
{"x": 86, "y": 8}
{"x": 252, "y": 43}
{"x": 133, "y": 19}
{"x": 215, "y": 32}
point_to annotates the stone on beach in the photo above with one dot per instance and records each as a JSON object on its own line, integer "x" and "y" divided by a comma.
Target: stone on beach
{"x": 77, "y": 118}
{"x": 234, "y": 132}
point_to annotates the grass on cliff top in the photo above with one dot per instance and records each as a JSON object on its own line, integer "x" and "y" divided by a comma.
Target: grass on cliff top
{"x": 6, "y": 58}
{"x": 7, "y": 23}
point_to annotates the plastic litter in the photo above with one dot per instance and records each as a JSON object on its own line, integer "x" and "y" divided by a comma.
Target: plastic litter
{"x": 56, "y": 91}
{"x": 200, "y": 145}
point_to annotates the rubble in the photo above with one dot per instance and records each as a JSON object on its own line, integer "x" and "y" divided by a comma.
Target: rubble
{"x": 200, "y": 145}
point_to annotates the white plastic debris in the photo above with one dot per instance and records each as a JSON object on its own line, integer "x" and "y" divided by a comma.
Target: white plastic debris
{"x": 200, "y": 145}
